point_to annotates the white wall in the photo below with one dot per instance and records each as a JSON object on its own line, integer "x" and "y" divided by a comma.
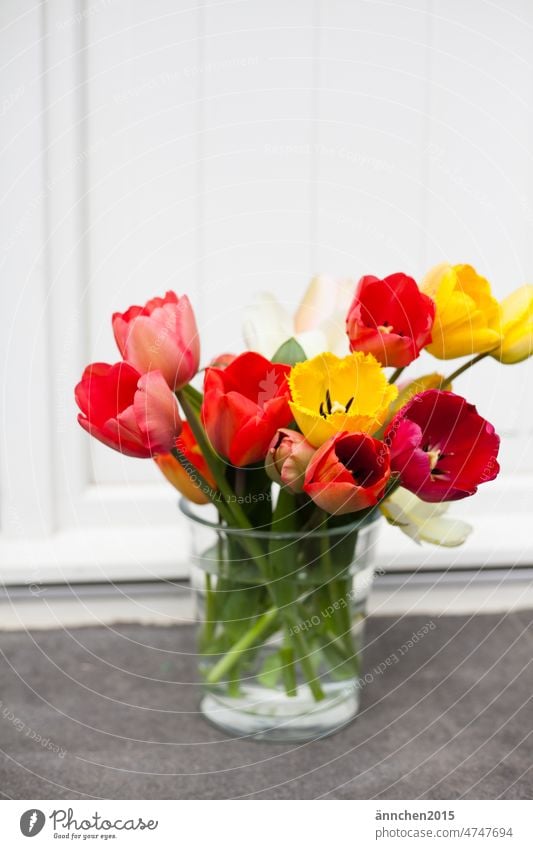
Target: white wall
{"x": 220, "y": 149}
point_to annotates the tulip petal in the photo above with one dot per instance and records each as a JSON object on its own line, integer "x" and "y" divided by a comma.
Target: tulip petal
{"x": 441, "y": 447}
{"x": 356, "y": 382}
{"x": 424, "y": 522}
{"x": 348, "y": 473}
{"x": 156, "y": 412}
{"x": 113, "y": 437}
{"x": 517, "y": 326}
{"x": 266, "y": 325}
{"x": 467, "y": 319}
{"x": 162, "y": 336}
{"x": 313, "y": 342}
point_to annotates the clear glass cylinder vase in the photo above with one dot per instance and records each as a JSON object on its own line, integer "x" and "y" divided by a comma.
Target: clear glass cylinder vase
{"x": 280, "y": 624}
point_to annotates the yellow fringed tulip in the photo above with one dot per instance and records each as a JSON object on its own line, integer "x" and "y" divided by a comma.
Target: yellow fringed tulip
{"x": 516, "y": 326}
{"x": 467, "y": 320}
{"x": 332, "y": 394}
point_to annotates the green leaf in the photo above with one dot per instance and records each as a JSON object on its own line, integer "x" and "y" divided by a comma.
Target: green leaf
{"x": 291, "y": 353}
{"x": 193, "y": 396}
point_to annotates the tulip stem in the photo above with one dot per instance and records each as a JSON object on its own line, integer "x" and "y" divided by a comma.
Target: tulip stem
{"x": 206, "y": 487}
{"x": 395, "y": 375}
{"x": 246, "y": 641}
{"x": 231, "y": 507}
{"x": 451, "y": 377}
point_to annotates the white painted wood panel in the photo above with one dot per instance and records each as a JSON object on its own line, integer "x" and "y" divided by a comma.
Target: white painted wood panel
{"x": 26, "y": 462}
{"x": 257, "y": 199}
{"x": 371, "y": 130}
{"x": 222, "y": 148}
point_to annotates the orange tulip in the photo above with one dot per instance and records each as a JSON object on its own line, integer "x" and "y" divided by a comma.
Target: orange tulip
{"x": 187, "y": 480}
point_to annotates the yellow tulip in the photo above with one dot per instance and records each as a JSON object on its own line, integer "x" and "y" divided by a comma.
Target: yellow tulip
{"x": 517, "y": 326}
{"x": 332, "y": 394}
{"x": 468, "y": 316}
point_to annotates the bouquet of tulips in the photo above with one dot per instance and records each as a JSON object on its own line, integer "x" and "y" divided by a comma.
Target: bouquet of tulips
{"x": 307, "y": 433}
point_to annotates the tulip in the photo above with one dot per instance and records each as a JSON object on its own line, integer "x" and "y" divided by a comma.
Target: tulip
{"x": 517, "y": 326}
{"x": 323, "y": 310}
{"x": 423, "y": 522}
{"x": 441, "y": 448}
{"x": 390, "y": 318}
{"x": 244, "y": 405}
{"x": 135, "y": 414}
{"x": 162, "y": 336}
{"x": 410, "y": 388}
{"x": 222, "y": 360}
{"x": 348, "y": 473}
{"x": 287, "y": 459}
{"x": 318, "y": 323}
{"x": 467, "y": 319}
{"x": 330, "y": 394}
{"x": 187, "y": 480}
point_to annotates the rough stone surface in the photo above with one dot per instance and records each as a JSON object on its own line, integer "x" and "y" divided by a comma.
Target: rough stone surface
{"x": 452, "y": 719}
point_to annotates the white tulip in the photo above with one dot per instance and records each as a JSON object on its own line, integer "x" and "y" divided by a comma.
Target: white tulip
{"x": 423, "y": 521}
{"x": 319, "y": 323}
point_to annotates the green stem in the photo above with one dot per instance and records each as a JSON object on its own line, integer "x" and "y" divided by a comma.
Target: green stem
{"x": 228, "y": 507}
{"x": 231, "y": 657}
{"x": 338, "y": 590}
{"x": 288, "y": 669}
{"x": 306, "y": 663}
{"x": 281, "y": 586}
{"x": 395, "y": 375}
{"x": 451, "y": 377}
{"x": 210, "y": 619}
{"x": 229, "y": 499}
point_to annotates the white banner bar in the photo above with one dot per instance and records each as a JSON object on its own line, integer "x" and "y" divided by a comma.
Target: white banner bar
{"x": 268, "y": 824}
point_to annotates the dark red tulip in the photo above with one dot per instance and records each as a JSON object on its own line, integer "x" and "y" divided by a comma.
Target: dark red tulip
{"x": 441, "y": 447}
{"x": 349, "y": 472}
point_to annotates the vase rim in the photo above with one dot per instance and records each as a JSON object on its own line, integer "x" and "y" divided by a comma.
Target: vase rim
{"x": 188, "y": 509}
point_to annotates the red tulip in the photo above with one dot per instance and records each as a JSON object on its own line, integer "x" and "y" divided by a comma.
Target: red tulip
{"x": 390, "y": 318}
{"x": 441, "y": 447}
{"x": 244, "y": 405}
{"x": 349, "y": 472}
{"x": 287, "y": 459}
{"x": 135, "y": 414}
{"x": 162, "y": 336}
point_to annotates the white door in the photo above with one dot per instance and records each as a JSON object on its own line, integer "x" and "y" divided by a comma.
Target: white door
{"x": 220, "y": 149}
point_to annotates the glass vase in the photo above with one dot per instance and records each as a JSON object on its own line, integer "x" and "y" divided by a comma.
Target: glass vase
{"x": 281, "y": 618}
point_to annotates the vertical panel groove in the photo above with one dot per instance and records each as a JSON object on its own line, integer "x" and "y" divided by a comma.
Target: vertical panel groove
{"x": 46, "y": 214}
{"x": 424, "y": 258}
{"x": 200, "y": 158}
{"x": 314, "y": 187}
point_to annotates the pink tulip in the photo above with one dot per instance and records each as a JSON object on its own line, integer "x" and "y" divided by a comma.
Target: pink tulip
{"x": 162, "y": 336}
{"x": 287, "y": 459}
{"x": 135, "y": 414}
